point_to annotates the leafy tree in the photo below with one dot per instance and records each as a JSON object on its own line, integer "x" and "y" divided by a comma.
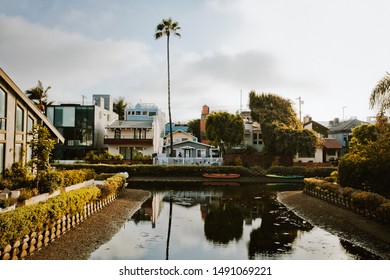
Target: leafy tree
{"x": 119, "y": 108}
{"x": 41, "y": 147}
{"x": 39, "y": 96}
{"x": 282, "y": 132}
{"x": 224, "y": 130}
{"x": 194, "y": 128}
{"x": 166, "y": 28}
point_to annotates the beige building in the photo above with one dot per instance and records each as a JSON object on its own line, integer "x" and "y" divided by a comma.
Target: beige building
{"x": 18, "y": 114}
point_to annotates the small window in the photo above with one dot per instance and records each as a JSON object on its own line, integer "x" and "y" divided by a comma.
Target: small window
{"x": 19, "y": 119}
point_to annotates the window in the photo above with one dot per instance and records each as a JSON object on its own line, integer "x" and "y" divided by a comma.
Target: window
{"x": 151, "y": 114}
{"x": 18, "y": 152}
{"x": 19, "y": 119}
{"x": 144, "y": 113}
{"x": 64, "y": 116}
{"x": 30, "y": 123}
{"x": 117, "y": 134}
{"x": 2, "y": 148}
{"x": 257, "y": 139}
{"x": 3, "y": 111}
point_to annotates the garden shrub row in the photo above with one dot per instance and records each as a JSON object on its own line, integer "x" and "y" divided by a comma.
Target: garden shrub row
{"x": 368, "y": 203}
{"x": 160, "y": 170}
{"x": 321, "y": 172}
{"x": 15, "y": 224}
{"x": 186, "y": 171}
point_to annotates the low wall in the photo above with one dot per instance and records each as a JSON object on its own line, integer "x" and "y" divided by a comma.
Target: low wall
{"x": 36, "y": 240}
{"x": 347, "y": 203}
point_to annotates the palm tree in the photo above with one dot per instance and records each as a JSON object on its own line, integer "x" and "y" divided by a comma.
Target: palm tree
{"x": 39, "y": 96}
{"x": 119, "y": 108}
{"x": 166, "y": 28}
{"x": 381, "y": 94}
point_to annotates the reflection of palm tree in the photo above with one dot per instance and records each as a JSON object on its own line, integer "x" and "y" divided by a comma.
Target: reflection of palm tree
{"x": 39, "y": 96}
{"x": 166, "y": 28}
{"x": 169, "y": 226}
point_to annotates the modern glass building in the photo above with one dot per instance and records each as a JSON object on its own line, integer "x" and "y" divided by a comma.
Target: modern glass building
{"x": 83, "y": 127}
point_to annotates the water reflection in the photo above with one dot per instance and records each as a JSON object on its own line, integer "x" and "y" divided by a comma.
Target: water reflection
{"x": 220, "y": 223}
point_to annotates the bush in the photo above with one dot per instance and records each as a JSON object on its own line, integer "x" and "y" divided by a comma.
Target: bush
{"x": 27, "y": 193}
{"x": 16, "y": 224}
{"x": 367, "y": 200}
{"x": 321, "y": 172}
{"x": 50, "y": 182}
{"x": 73, "y": 177}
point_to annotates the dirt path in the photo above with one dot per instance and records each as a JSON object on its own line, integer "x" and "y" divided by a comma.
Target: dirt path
{"x": 85, "y": 238}
{"x": 345, "y": 224}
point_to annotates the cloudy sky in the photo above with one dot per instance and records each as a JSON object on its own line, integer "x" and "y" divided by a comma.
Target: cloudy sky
{"x": 329, "y": 53}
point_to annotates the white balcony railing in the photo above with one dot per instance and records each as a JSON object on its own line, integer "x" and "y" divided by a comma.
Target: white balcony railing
{"x": 163, "y": 160}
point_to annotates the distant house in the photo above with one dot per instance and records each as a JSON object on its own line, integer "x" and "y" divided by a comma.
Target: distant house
{"x": 252, "y": 132}
{"x": 142, "y": 130}
{"x": 179, "y": 136}
{"x": 342, "y": 131}
{"x": 328, "y": 149}
{"x": 18, "y": 114}
{"x": 176, "y": 127}
{"x": 190, "y": 148}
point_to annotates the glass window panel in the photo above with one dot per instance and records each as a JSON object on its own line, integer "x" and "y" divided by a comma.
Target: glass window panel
{"x": 18, "y": 152}
{"x": 64, "y": 116}
{"x": 3, "y": 110}
{"x": 2, "y": 147}
{"x": 30, "y": 124}
{"x": 19, "y": 119}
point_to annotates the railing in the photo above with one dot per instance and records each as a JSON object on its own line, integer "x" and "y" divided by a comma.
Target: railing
{"x": 162, "y": 160}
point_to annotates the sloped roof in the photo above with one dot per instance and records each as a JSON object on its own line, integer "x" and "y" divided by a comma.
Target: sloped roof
{"x": 16, "y": 90}
{"x": 130, "y": 124}
{"x": 331, "y": 143}
{"x": 345, "y": 126}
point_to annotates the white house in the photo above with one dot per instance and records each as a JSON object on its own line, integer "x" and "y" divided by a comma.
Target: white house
{"x": 142, "y": 130}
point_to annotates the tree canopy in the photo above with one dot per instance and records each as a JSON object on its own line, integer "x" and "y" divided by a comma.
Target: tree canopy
{"x": 194, "y": 128}
{"x": 39, "y": 96}
{"x": 119, "y": 107}
{"x": 282, "y": 132}
{"x": 224, "y": 130}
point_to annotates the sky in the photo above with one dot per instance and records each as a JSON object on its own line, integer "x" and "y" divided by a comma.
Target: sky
{"x": 329, "y": 53}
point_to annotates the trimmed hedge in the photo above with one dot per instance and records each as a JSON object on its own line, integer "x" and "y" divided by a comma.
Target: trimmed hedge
{"x": 14, "y": 225}
{"x": 360, "y": 201}
{"x": 160, "y": 170}
{"x": 302, "y": 171}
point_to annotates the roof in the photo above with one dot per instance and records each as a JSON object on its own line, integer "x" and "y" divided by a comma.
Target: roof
{"x": 331, "y": 143}
{"x": 180, "y": 131}
{"x": 188, "y": 142}
{"x": 32, "y": 106}
{"x": 345, "y": 126}
{"x": 130, "y": 124}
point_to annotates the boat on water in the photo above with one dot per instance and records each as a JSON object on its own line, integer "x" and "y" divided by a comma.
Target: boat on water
{"x": 285, "y": 176}
{"x": 221, "y": 175}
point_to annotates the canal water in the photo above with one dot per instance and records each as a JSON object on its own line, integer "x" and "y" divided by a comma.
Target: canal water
{"x": 222, "y": 222}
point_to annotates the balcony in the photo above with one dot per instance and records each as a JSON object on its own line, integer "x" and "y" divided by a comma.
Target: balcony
{"x": 127, "y": 140}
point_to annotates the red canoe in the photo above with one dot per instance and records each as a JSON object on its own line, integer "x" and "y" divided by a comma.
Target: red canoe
{"x": 221, "y": 175}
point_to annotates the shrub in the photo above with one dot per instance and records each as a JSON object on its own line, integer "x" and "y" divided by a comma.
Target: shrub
{"x": 16, "y": 224}
{"x": 50, "y": 182}
{"x": 27, "y": 193}
{"x": 366, "y": 200}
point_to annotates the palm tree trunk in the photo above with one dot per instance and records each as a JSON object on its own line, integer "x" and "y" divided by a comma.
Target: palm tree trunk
{"x": 169, "y": 102}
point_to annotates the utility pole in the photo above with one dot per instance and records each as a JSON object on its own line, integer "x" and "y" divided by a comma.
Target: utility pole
{"x": 300, "y": 102}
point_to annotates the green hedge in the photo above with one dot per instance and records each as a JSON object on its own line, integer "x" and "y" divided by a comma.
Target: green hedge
{"x": 369, "y": 174}
{"x": 359, "y": 199}
{"x": 15, "y": 224}
{"x": 321, "y": 172}
{"x": 160, "y": 170}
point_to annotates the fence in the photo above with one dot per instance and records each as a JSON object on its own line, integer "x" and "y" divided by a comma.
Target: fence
{"x": 211, "y": 161}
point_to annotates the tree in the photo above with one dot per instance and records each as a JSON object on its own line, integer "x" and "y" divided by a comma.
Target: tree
{"x": 224, "y": 130}
{"x": 39, "y": 96}
{"x": 282, "y": 131}
{"x": 194, "y": 128}
{"x": 119, "y": 107}
{"x": 41, "y": 147}
{"x": 166, "y": 28}
{"x": 381, "y": 95}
